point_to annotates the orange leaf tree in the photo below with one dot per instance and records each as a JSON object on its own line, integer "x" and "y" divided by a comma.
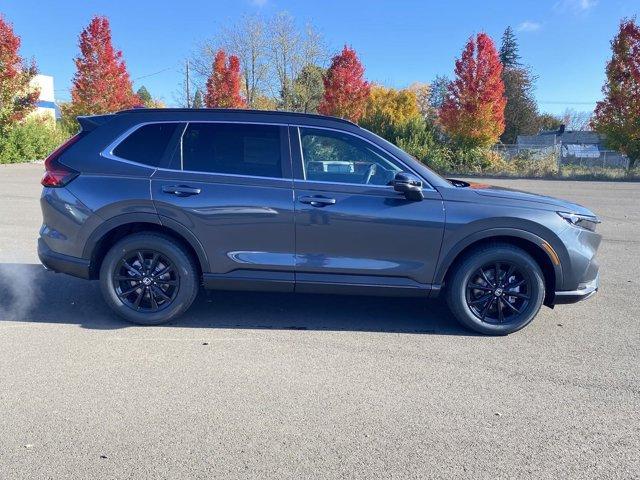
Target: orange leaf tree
{"x": 17, "y": 98}
{"x": 223, "y": 84}
{"x": 345, "y": 89}
{"x": 101, "y": 83}
{"x": 618, "y": 115}
{"x": 473, "y": 112}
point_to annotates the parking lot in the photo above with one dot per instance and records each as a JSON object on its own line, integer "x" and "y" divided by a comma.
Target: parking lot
{"x": 284, "y": 386}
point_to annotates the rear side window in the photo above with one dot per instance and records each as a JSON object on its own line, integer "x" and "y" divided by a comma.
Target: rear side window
{"x": 229, "y": 148}
{"x": 147, "y": 144}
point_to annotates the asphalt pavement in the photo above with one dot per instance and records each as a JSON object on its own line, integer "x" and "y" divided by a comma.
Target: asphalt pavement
{"x": 250, "y": 385}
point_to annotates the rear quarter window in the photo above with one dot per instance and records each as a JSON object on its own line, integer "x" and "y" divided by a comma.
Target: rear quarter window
{"x": 147, "y": 144}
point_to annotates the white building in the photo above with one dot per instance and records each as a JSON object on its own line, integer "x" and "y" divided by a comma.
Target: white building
{"x": 46, "y": 103}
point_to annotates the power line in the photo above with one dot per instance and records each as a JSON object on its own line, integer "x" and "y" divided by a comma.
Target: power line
{"x": 559, "y": 102}
{"x": 152, "y": 74}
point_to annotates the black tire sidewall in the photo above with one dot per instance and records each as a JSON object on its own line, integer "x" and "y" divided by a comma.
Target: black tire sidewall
{"x": 457, "y": 291}
{"x": 184, "y": 267}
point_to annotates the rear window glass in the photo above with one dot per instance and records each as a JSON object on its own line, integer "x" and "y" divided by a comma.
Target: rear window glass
{"x": 147, "y": 144}
{"x": 238, "y": 149}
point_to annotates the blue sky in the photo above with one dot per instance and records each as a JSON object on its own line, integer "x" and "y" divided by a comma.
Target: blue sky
{"x": 566, "y": 42}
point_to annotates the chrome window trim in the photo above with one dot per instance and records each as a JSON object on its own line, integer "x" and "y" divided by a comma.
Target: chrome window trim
{"x": 108, "y": 151}
{"x": 396, "y": 159}
{"x": 195, "y": 172}
{"x": 186, "y": 125}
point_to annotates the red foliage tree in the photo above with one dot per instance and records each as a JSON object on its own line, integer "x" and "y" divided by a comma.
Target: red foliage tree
{"x": 345, "y": 90}
{"x": 101, "y": 83}
{"x": 223, "y": 85}
{"x": 618, "y": 115}
{"x": 473, "y": 112}
{"x": 17, "y": 98}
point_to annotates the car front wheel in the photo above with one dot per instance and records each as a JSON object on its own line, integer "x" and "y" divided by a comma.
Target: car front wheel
{"x": 496, "y": 290}
{"x": 148, "y": 279}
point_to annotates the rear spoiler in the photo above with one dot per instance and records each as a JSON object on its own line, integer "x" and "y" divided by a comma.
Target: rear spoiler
{"x": 88, "y": 123}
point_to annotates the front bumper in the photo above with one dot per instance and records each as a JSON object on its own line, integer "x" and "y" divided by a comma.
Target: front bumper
{"x": 78, "y": 267}
{"x": 584, "y": 291}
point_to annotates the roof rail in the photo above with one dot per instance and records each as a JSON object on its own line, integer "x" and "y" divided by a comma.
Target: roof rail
{"x": 234, "y": 110}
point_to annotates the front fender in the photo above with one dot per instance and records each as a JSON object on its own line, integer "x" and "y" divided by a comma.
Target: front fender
{"x": 449, "y": 255}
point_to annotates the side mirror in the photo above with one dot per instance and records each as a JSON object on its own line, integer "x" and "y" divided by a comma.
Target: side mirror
{"x": 409, "y": 185}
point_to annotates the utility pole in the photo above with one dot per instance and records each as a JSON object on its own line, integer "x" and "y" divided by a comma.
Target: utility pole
{"x": 187, "y": 83}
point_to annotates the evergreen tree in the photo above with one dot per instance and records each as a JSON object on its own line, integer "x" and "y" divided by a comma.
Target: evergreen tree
{"x": 308, "y": 89}
{"x": 439, "y": 89}
{"x": 144, "y": 95}
{"x": 509, "y": 55}
{"x": 521, "y": 111}
{"x": 197, "y": 100}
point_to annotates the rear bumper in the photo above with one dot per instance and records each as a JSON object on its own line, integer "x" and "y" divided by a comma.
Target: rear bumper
{"x": 78, "y": 267}
{"x": 584, "y": 291}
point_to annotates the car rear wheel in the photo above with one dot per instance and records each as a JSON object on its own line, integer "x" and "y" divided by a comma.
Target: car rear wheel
{"x": 496, "y": 290}
{"x": 148, "y": 279}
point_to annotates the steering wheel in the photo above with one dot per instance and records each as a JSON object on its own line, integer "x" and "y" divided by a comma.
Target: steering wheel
{"x": 371, "y": 171}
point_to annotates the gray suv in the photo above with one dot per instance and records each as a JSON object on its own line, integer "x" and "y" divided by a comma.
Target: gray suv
{"x": 155, "y": 203}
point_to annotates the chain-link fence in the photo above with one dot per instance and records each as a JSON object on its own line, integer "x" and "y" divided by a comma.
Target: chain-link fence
{"x": 587, "y": 156}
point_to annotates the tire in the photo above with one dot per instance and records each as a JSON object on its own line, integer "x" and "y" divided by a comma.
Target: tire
{"x": 472, "y": 282}
{"x": 164, "y": 292}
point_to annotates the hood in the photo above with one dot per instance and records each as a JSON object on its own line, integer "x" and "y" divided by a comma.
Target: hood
{"x": 542, "y": 201}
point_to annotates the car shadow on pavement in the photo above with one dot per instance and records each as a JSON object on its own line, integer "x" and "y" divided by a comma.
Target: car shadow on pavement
{"x": 29, "y": 293}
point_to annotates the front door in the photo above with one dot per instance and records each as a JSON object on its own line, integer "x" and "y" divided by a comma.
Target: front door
{"x": 230, "y": 185}
{"x": 352, "y": 229}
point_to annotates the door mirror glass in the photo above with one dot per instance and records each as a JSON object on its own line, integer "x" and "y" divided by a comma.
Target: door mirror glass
{"x": 409, "y": 185}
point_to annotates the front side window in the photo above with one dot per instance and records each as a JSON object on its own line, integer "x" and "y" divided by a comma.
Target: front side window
{"x": 147, "y": 144}
{"x": 331, "y": 156}
{"x": 237, "y": 149}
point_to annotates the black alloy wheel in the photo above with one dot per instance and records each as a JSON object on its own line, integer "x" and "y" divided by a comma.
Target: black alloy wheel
{"x": 498, "y": 292}
{"x": 495, "y": 289}
{"x": 149, "y": 278}
{"x": 146, "y": 281}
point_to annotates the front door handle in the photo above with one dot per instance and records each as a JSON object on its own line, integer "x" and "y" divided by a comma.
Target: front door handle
{"x": 317, "y": 201}
{"x": 181, "y": 190}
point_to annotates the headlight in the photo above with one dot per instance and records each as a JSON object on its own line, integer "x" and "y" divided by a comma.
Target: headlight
{"x": 583, "y": 221}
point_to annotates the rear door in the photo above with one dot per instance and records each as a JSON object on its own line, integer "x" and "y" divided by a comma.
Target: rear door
{"x": 230, "y": 184}
{"x": 353, "y": 230}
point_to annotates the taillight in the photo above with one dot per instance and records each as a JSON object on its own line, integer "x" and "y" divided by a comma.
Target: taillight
{"x": 57, "y": 174}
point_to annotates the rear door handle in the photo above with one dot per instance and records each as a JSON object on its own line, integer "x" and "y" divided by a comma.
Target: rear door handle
{"x": 180, "y": 190}
{"x": 317, "y": 201}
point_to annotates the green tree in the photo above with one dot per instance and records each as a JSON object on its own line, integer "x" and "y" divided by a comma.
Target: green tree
{"x": 439, "y": 91}
{"x": 509, "y": 50}
{"x": 144, "y": 95}
{"x": 547, "y": 121}
{"x": 197, "y": 100}
{"x": 521, "y": 111}
{"x": 308, "y": 89}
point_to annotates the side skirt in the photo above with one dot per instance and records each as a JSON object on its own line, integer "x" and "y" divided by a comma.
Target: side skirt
{"x": 337, "y": 284}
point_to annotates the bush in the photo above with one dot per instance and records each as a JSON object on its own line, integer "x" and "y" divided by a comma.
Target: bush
{"x": 32, "y": 139}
